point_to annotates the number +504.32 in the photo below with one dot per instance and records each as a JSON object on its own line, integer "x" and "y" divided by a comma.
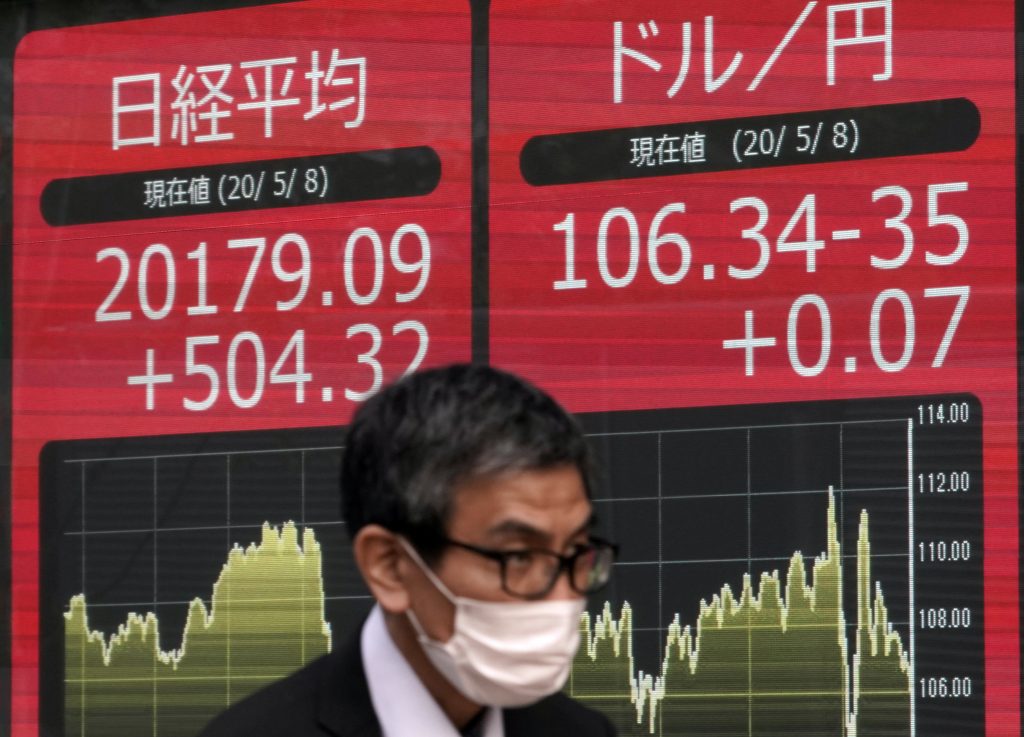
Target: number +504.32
{"x": 244, "y": 372}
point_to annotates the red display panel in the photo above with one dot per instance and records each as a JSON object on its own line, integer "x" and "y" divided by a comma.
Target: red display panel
{"x": 701, "y": 204}
{"x": 233, "y": 220}
{"x": 769, "y": 254}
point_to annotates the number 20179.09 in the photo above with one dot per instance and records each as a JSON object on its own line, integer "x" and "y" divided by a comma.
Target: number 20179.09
{"x": 157, "y": 258}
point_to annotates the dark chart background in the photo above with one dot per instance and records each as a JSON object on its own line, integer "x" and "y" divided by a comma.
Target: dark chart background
{"x": 695, "y": 497}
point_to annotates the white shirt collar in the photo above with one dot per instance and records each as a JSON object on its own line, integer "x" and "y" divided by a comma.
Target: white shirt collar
{"x": 403, "y": 705}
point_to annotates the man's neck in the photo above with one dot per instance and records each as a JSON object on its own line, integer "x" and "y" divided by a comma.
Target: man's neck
{"x": 456, "y": 707}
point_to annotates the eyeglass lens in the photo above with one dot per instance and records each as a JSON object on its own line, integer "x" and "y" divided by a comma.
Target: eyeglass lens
{"x": 533, "y": 573}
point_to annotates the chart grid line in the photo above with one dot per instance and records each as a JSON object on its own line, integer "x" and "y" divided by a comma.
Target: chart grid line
{"x": 911, "y": 610}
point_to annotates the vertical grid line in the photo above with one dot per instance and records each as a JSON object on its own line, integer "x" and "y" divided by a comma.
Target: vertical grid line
{"x": 842, "y": 484}
{"x": 661, "y": 557}
{"x": 227, "y": 584}
{"x": 156, "y": 536}
{"x": 300, "y": 533}
{"x": 911, "y": 614}
{"x": 85, "y": 612}
{"x": 302, "y": 487}
{"x": 750, "y": 607}
{"x": 850, "y": 628}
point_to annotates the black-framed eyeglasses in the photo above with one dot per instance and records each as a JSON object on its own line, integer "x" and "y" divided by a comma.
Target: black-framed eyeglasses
{"x": 530, "y": 573}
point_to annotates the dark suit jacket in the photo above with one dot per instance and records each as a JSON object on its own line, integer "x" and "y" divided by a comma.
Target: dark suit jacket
{"x": 329, "y": 698}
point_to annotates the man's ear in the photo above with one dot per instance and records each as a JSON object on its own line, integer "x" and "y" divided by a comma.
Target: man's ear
{"x": 380, "y": 559}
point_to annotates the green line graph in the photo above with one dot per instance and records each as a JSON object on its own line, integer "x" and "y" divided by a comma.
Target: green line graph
{"x": 775, "y": 661}
{"x": 265, "y": 620}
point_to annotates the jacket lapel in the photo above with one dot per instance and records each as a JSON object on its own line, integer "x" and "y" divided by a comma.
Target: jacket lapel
{"x": 555, "y": 716}
{"x": 526, "y": 723}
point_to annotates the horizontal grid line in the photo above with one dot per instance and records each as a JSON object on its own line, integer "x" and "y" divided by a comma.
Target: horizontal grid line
{"x": 208, "y": 454}
{"x": 94, "y": 459}
{"x": 205, "y": 600}
{"x": 744, "y": 559}
{"x": 848, "y": 625}
{"x": 178, "y": 679}
{"x": 745, "y": 696}
{"x": 770, "y": 426}
{"x": 77, "y": 533}
{"x": 744, "y": 494}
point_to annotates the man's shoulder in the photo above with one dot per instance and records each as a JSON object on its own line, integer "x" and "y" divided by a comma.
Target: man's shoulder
{"x": 328, "y": 696}
{"x": 556, "y": 715}
{"x": 285, "y": 707}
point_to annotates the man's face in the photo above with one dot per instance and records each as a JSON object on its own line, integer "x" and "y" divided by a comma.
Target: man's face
{"x": 545, "y": 509}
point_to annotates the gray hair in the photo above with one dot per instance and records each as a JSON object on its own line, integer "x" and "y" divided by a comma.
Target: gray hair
{"x": 411, "y": 444}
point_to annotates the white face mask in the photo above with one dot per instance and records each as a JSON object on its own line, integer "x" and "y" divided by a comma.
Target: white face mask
{"x": 504, "y": 653}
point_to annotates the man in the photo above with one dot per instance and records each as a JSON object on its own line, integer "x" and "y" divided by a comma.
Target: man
{"x": 467, "y": 495}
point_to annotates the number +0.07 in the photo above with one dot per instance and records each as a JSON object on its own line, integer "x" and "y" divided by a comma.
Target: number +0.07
{"x": 811, "y": 304}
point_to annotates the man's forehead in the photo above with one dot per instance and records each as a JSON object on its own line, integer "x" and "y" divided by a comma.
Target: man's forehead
{"x": 513, "y": 527}
{"x": 521, "y": 502}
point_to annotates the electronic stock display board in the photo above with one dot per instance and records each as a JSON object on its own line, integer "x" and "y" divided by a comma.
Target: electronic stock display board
{"x": 767, "y": 252}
